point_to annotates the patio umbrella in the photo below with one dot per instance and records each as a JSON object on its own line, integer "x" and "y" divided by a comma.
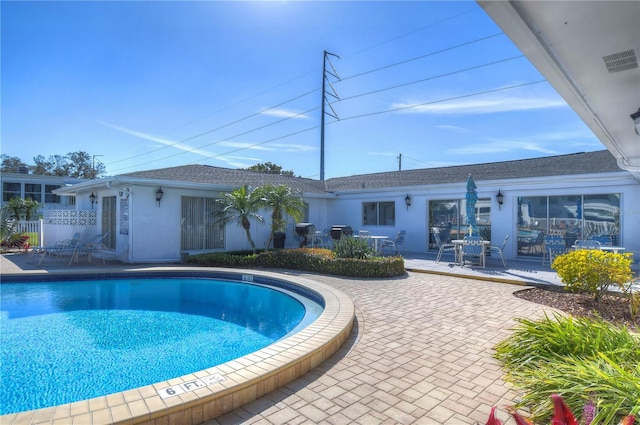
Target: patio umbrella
{"x": 472, "y": 198}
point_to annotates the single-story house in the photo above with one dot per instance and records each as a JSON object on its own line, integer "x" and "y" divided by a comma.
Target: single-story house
{"x": 160, "y": 215}
{"x": 38, "y": 188}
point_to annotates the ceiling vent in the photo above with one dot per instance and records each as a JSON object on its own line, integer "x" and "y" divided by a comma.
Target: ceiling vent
{"x": 621, "y": 61}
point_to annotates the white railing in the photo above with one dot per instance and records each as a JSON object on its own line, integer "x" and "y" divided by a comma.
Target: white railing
{"x": 31, "y": 228}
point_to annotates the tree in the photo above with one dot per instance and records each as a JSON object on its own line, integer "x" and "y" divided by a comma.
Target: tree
{"x": 240, "y": 206}
{"x": 30, "y": 207}
{"x": 15, "y": 207}
{"x": 270, "y": 168}
{"x": 74, "y": 164}
{"x": 279, "y": 199}
{"x": 11, "y": 164}
{"x": 19, "y": 207}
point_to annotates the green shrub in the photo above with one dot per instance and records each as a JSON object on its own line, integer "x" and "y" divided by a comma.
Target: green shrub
{"x": 593, "y": 271}
{"x": 576, "y": 358}
{"x": 313, "y": 260}
{"x": 351, "y": 247}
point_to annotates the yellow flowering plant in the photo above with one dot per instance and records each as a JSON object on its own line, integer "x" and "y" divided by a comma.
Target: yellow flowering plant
{"x": 594, "y": 271}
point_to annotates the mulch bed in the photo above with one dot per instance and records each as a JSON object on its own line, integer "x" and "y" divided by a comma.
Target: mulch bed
{"x": 615, "y": 309}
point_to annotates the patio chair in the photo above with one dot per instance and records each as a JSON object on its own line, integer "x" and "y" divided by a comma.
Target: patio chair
{"x": 588, "y": 244}
{"x": 500, "y": 250}
{"x": 605, "y": 240}
{"x": 473, "y": 247}
{"x": 105, "y": 253}
{"x": 554, "y": 245}
{"x": 443, "y": 246}
{"x": 394, "y": 244}
{"x": 88, "y": 248}
{"x": 327, "y": 240}
{"x": 59, "y": 249}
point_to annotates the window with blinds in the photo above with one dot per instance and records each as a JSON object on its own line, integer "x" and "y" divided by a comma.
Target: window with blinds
{"x": 198, "y": 228}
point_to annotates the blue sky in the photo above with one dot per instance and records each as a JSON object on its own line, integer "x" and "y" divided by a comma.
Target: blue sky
{"x": 145, "y": 85}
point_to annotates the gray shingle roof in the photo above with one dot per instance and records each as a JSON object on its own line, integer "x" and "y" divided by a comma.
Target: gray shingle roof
{"x": 578, "y": 163}
{"x": 226, "y": 176}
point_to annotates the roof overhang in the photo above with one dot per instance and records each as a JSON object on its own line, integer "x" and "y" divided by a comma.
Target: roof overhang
{"x": 122, "y": 183}
{"x": 589, "y": 52}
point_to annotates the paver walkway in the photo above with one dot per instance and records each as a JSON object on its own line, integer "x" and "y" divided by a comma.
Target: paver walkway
{"x": 421, "y": 353}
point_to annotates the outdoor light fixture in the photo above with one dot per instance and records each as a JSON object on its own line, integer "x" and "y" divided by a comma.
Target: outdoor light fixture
{"x": 92, "y": 197}
{"x": 500, "y": 198}
{"x": 407, "y": 200}
{"x": 159, "y": 194}
{"x": 636, "y": 121}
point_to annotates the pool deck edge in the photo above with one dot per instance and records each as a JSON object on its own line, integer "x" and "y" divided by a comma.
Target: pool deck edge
{"x": 243, "y": 380}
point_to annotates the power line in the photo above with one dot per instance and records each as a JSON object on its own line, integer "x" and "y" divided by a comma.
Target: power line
{"x": 441, "y": 100}
{"x": 224, "y": 140}
{"x": 423, "y": 56}
{"x": 447, "y": 74}
{"x": 417, "y": 30}
{"x": 218, "y": 128}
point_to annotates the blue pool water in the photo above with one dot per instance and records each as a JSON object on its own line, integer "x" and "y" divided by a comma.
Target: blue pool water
{"x": 66, "y": 341}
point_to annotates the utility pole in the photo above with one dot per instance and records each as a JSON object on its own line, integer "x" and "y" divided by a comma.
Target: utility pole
{"x": 399, "y": 162}
{"x": 325, "y": 80}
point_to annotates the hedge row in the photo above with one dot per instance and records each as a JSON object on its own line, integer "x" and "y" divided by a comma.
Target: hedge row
{"x": 311, "y": 260}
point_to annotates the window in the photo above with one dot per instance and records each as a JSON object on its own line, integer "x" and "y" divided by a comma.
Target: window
{"x": 449, "y": 216}
{"x": 572, "y": 216}
{"x": 50, "y": 197}
{"x": 33, "y": 191}
{"x": 378, "y": 213}
{"x": 198, "y": 228}
{"x": 10, "y": 191}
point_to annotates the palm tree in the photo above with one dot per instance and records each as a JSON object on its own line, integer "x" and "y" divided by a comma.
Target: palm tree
{"x": 15, "y": 206}
{"x": 240, "y": 205}
{"x": 8, "y": 233}
{"x": 280, "y": 199}
{"x": 30, "y": 207}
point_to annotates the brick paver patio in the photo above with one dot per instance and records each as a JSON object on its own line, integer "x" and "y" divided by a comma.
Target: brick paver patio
{"x": 421, "y": 353}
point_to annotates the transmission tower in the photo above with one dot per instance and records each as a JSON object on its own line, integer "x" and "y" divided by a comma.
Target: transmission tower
{"x": 332, "y": 93}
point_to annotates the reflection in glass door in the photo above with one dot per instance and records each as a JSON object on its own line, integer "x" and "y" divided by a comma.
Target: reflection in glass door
{"x": 571, "y": 216}
{"x": 450, "y": 218}
{"x": 109, "y": 221}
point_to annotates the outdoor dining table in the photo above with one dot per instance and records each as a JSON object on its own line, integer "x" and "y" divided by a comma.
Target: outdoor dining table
{"x": 614, "y": 249}
{"x": 374, "y": 238}
{"x": 458, "y": 249}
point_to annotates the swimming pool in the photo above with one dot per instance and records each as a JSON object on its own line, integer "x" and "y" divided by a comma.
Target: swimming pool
{"x": 207, "y": 393}
{"x": 83, "y": 339}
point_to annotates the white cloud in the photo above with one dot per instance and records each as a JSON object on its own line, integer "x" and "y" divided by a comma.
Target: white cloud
{"x": 454, "y": 128}
{"x": 383, "y": 153}
{"x": 501, "y": 146}
{"x": 166, "y": 142}
{"x": 283, "y": 113}
{"x": 486, "y": 104}
{"x": 270, "y": 147}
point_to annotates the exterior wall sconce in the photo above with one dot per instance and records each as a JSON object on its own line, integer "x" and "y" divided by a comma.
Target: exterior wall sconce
{"x": 500, "y": 199}
{"x": 93, "y": 198}
{"x": 159, "y": 194}
{"x": 636, "y": 121}
{"x": 407, "y": 200}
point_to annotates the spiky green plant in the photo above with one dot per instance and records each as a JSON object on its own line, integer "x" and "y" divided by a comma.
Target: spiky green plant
{"x": 576, "y": 358}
